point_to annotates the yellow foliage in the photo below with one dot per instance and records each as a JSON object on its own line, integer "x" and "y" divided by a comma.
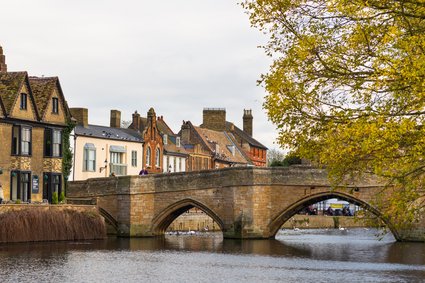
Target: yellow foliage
{"x": 346, "y": 88}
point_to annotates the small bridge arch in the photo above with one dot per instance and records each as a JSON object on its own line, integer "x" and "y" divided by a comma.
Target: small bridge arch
{"x": 291, "y": 210}
{"x": 164, "y": 219}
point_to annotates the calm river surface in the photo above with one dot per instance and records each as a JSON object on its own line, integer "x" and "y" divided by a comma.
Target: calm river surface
{"x": 294, "y": 256}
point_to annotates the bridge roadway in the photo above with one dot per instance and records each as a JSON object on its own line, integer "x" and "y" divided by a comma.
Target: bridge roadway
{"x": 247, "y": 202}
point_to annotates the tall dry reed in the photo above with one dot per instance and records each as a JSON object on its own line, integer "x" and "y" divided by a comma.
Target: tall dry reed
{"x": 31, "y": 225}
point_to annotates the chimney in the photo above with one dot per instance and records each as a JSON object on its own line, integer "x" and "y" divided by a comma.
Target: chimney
{"x": 247, "y": 121}
{"x": 185, "y": 132}
{"x": 136, "y": 121}
{"x": 115, "y": 121}
{"x": 3, "y": 66}
{"x": 214, "y": 119}
{"x": 81, "y": 115}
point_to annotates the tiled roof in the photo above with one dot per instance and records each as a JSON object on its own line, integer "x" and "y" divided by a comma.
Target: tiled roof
{"x": 224, "y": 141}
{"x": 42, "y": 89}
{"x": 244, "y": 136}
{"x": 171, "y": 146}
{"x": 108, "y": 133}
{"x": 10, "y": 84}
{"x": 163, "y": 127}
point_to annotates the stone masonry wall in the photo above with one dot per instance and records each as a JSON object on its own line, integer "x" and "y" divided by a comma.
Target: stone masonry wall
{"x": 245, "y": 202}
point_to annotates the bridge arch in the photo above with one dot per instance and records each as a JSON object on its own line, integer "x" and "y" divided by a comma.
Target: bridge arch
{"x": 108, "y": 218}
{"x": 164, "y": 219}
{"x": 290, "y": 211}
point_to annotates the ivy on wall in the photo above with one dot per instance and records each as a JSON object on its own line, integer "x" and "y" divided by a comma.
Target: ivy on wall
{"x": 67, "y": 152}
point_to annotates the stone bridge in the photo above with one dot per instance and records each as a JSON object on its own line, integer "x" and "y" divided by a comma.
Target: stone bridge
{"x": 246, "y": 202}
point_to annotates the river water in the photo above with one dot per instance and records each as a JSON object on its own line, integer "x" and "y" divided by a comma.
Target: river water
{"x": 355, "y": 255}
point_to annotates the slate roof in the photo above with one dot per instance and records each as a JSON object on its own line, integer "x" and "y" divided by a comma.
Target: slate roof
{"x": 10, "y": 84}
{"x": 224, "y": 141}
{"x": 108, "y": 133}
{"x": 42, "y": 89}
{"x": 244, "y": 136}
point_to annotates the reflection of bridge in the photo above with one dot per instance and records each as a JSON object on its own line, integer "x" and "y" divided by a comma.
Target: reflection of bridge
{"x": 245, "y": 202}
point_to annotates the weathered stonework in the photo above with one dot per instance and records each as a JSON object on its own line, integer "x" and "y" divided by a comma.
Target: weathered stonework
{"x": 244, "y": 202}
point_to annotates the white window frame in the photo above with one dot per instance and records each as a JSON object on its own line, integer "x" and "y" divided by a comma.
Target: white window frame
{"x": 134, "y": 158}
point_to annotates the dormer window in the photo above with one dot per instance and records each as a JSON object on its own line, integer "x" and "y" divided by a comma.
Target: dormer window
{"x": 23, "y": 105}
{"x": 178, "y": 141}
{"x": 165, "y": 139}
{"x": 55, "y": 105}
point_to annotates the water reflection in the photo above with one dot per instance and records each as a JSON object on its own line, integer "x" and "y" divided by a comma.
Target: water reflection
{"x": 307, "y": 254}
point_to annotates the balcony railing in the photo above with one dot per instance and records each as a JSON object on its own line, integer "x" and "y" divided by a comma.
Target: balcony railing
{"x": 118, "y": 169}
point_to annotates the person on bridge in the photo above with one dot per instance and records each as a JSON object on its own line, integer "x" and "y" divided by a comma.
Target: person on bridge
{"x": 143, "y": 172}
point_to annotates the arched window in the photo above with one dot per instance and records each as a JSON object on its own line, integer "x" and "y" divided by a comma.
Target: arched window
{"x": 148, "y": 156}
{"x": 157, "y": 157}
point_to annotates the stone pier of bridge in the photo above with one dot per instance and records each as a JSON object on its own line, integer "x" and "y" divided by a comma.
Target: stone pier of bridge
{"x": 246, "y": 202}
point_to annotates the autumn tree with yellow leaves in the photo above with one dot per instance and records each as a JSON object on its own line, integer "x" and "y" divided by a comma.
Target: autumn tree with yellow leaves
{"x": 346, "y": 89}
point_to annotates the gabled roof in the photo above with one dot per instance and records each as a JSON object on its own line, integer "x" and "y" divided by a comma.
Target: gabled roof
{"x": 172, "y": 148}
{"x": 42, "y": 89}
{"x": 163, "y": 127}
{"x": 212, "y": 138}
{"x": 244, "y": 136}
{"x": 10, "y": 85}
{"x": 108, "y": 133}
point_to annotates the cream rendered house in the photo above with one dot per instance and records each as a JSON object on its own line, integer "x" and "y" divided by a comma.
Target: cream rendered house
{"x": 101, "y": 151}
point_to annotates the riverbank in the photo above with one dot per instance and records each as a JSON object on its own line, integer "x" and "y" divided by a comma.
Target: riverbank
{"x": 197, "y": 220}
{"x": 35, "y": 223}
{"x": 322, "y": 221}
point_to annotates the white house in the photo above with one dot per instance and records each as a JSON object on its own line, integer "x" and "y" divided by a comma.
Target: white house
{"x": 101, "y": 151}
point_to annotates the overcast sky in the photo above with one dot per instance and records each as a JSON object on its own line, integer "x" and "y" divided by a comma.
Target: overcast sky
{"x": 175, "y": 56}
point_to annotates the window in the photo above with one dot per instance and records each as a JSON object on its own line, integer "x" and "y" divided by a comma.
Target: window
{"x": 52, "y": 183}
{"x": 158, "y": 157}
{"x": 15, "y": 140}
{"x": 180, "y": 165}
{"x": 89, "y": 157}
{"x": 148, "y": 156}
{"x": 25, "y": 141}
{"x": 57, "y": 143}
{"x": 178, "y": 141}
{"x": 134, "y": 158}
{"x": 20, "y": 186}
{"x": 55, "y": 105}
{"x": 165, "y": 139}
{"x": 117, "y": 158}
{"x": 56, "y": 183}
{"x": 52, "y": 143}
{"x": 21, "y": 140}
{"x": 23, "y": 101}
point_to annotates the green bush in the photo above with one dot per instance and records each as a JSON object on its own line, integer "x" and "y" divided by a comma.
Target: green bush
{"x": 18, "y": 201}
{"x": 287, "y": 161}
{"x": 62, "y": 197}
{"x": 55, "y": 198}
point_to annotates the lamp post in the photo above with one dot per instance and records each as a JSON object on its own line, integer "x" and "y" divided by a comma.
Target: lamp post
{"x": 104, "y": 167}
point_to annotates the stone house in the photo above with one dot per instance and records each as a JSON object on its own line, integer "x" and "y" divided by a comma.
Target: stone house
{"x": 33, "y": 115}
{"x": 255, "y": 152}
{"x": 101, "y": 151}
{"x": 210, "y": 149}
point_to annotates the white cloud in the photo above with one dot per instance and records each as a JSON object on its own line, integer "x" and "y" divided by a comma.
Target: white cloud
{"x": 175, "y": 56}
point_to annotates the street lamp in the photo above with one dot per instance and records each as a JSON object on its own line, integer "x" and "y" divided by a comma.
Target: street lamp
{"x": 104, "y": 167}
